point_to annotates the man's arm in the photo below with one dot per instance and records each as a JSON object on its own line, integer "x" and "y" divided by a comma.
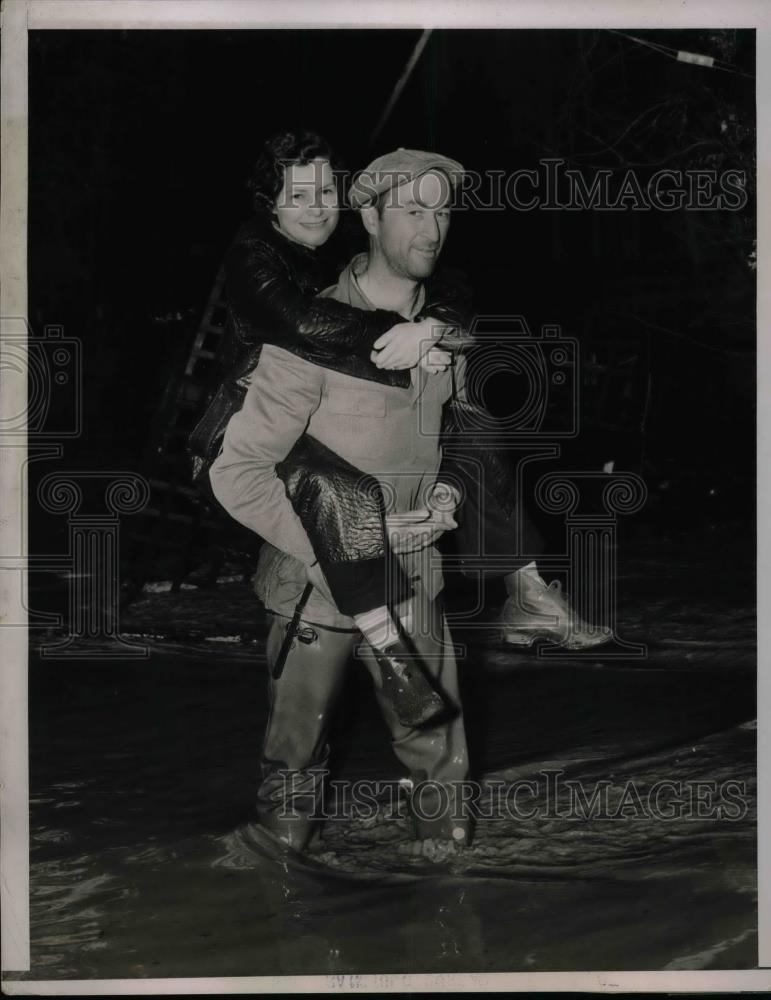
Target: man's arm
{"x": 283, "y": 394}
{"x": 449, "y": 300}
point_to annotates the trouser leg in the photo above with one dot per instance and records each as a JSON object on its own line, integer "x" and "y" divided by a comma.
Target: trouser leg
{"x": 490, "y": 520}
{"x": 437, "y": 756}
{"x": 295, "y": 750}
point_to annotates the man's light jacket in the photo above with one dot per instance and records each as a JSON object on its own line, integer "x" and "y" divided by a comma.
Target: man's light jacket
{"x": 387, "y": 431}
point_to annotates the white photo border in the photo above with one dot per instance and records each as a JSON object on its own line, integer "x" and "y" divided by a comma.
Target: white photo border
{"x": 19, "y": 16}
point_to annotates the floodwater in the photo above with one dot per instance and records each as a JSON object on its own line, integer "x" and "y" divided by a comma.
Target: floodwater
{"x": 142, "y": 774}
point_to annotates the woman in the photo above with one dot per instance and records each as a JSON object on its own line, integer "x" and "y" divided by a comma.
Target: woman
{"x": 273, "y": 273}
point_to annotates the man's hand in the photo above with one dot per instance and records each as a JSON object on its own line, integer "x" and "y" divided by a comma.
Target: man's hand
{"x": 404, "y": 344}
{"x": 407, "y": 536}
{"x": 444, "y": 498}
{"x": 417, "y": 529}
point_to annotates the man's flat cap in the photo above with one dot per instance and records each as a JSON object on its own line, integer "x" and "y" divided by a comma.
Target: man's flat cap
{"x": 400, "y": 167}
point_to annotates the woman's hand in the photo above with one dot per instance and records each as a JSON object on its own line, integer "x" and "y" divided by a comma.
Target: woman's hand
{"x": 404, "y": 344}
{"x": 435, "y": 360}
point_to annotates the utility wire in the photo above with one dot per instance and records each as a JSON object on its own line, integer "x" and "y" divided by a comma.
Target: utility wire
{"x": 679, "y": 55}
{"x": 744, "y": 355}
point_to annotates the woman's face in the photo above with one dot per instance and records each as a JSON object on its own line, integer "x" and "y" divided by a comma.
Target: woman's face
{"x": 307, "y": 209}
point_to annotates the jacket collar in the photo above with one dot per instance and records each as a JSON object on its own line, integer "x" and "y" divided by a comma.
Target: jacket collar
{"x": 350, "y": 291}
{"x": 261, "y": 226}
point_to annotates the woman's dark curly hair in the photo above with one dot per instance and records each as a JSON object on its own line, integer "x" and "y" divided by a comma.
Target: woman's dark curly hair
{"x": 297, "y": 146}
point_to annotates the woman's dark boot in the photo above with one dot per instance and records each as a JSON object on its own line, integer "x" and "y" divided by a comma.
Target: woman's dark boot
{"x": 405, "y": 683}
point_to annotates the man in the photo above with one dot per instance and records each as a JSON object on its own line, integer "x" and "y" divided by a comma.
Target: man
{"x": 390, "y": 433}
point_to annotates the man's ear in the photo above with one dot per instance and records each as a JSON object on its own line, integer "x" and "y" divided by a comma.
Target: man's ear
{"x": 370, "y": 219}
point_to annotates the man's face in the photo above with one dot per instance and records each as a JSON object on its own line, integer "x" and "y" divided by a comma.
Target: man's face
{"x": 412, "y": 226}
{"x": 307, "y": 209}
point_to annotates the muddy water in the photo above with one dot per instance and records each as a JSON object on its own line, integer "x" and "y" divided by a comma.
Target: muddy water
{"x": 141, "y": 772}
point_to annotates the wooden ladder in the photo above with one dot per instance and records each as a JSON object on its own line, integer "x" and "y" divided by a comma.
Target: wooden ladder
{"x": 175, "y": 526}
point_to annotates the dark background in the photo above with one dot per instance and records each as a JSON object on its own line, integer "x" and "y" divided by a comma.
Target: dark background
{"x": 141, "y": 143}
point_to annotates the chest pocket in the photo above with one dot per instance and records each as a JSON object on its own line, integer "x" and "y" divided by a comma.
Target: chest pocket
{"x": 351, "y": 421}
{"x": 355, "y": 402}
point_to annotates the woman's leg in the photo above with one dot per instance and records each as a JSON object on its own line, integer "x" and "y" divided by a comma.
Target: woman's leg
{"x": 343, "y": 511}
{"x": 491, "y": 522}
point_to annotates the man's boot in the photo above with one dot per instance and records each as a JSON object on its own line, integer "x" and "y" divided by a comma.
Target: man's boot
{"x": 535, "y": 611}
{"x": 406, "y": 685}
